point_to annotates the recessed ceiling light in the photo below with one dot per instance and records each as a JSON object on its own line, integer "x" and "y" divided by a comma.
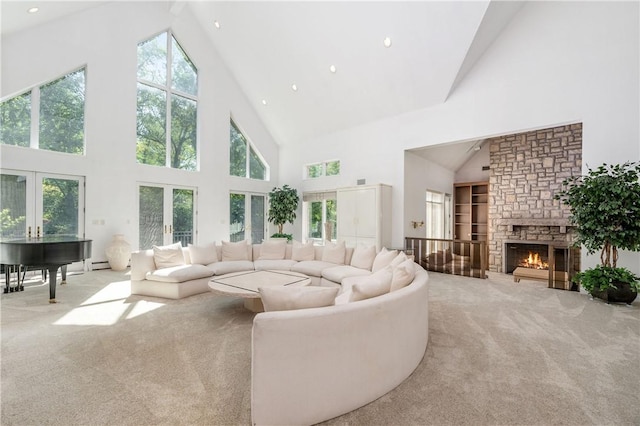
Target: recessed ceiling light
{"x": 332, "y": 68}
{"x": 294, "y": 87}
{"x": 264, "y": 102}
{"x": 387, "y": 42}
{"x": 32, "y": 10}
{"x": 216, "y": 24}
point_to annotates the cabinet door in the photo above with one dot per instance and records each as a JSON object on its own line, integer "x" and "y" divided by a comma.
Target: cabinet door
{"x": 346, "y": 220}
{"x": 367, "y": 213}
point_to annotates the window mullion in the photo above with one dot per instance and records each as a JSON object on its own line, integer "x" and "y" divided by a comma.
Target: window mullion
{"x": 248, "y": 159}
{"x": 34, "y": 139}
{"x": 167, "y": 89}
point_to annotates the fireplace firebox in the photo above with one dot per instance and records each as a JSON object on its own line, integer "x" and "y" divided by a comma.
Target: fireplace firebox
{"x": 549, "y": 262}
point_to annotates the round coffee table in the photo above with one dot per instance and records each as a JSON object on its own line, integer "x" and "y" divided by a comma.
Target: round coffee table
{"x": 246, "y": 284}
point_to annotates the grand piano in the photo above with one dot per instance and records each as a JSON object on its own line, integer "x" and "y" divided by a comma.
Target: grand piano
{"x": 49, "y": 252}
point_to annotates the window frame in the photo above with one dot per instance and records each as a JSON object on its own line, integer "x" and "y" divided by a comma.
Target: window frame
{"x": 324, "y": 167}
{"x": 169, "y": 92}
{"x": 35, "y": 115}
{"x": 314, "y": 197}
{"x": 249, "y": 147}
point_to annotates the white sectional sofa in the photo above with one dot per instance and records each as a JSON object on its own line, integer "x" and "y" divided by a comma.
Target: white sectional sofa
{"x": 175, "y": 272}
{"x": 311, "y": 365}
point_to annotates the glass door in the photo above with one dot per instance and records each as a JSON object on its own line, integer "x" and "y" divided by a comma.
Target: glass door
{"x": 166, "y": 215}
{"x": 247, "y": 217}
{"x": 33, "y": 205}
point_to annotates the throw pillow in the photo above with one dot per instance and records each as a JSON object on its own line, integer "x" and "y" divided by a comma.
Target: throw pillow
{"x": 334, "y": 252}
{"x": 273, "y": 249}
{"x": 203, "y": 255}
{"x": 383, "y": 258}
{"x": 363, "y": 257}
{"x": 401, "y": 257}
{"x": 235, "y": 251}
{"x": 377, "y": 285}
{"x": 301, "y": 251}
{"x": 289, "y": 298}
{"x": 168, "y": 256}
{"x": 403, "y": 274}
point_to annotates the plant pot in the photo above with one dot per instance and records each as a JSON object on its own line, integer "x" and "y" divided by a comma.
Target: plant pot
{"x": 622, "y": 294}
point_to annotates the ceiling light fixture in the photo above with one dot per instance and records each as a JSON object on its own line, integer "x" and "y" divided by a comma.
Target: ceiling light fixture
{"x": 387, "y": 42}
{"x": 294, "y": 87}
{"x": 216, "y": 24}
{"x": 332, "y": 68}
{"x": 264, "y": 102}
{"x": 32, "y": 10}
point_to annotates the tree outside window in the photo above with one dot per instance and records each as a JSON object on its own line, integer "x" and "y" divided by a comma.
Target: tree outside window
{"x": 327, "y": 168}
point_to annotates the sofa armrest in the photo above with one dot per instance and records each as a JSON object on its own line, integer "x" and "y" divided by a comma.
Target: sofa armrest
{"x": 141, "y": 263}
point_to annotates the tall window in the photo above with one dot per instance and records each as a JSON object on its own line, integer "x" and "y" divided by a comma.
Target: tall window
{"x": 247, "y": 214}
{"x": 438, "y": 207}
{"x": 167, "y": 104}
{"x": 327, "y": 168}
{"x": 244, "y": 158}
{"x": 320, "y": 215}
{"x": 48, "y": 117}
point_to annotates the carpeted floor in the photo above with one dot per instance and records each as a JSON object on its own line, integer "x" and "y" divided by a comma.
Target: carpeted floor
{"x": 499, "y": 353}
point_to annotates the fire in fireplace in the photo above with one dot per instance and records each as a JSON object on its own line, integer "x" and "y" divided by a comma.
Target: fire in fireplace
{"x": 527, "y": 255}
{"x": 533, "y": 261}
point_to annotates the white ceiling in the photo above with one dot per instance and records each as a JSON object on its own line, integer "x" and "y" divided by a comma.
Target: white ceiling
{"x": 269, "y": 46}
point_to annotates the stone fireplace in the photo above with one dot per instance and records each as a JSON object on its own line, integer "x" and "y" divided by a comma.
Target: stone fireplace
{"x": 527, "y": 169}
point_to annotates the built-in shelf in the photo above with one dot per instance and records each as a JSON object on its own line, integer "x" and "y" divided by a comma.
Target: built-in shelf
{"x": 471, "y": 211}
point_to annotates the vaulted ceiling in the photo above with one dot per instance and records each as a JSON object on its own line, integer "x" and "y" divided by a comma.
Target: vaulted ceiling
{"x": 270, "y": 46}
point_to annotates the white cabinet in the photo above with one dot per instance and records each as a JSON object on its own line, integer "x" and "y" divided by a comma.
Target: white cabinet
{"x": 364, "y": 215}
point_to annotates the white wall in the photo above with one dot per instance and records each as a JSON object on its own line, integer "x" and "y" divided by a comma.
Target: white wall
{"x": 556, "y": 63}
{"x": 105, "y": 39}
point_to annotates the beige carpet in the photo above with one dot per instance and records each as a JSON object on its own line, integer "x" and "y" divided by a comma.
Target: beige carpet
{"x": 499, "y": 353}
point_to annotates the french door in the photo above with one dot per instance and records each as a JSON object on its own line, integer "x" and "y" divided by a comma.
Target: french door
{"x": 166, "y": 215}
{"x": 34, "y": 205}
{"x": 247, "y": 217}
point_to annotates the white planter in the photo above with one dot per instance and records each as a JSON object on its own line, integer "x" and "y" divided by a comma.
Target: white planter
{"x": 118, "y": 253}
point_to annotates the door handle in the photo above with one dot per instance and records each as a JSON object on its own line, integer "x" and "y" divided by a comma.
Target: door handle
{"x": 29, "y": 232}
{"x": 38, "y": 232}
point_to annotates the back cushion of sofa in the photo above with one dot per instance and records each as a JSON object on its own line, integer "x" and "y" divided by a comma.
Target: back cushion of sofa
{"x": 273, "y": 249}
{"x": 236, "y": 251}
{"x": 203, "y": 255}
{"x": 168, "y": 256}
{"x": 334, "y": 252}
{"x": 363, "y": 257}
{"x": 383, "y": 258}
{"x": 290, "y": 298}
{"x": 375, "y": 285}
{"x": 301, "y": 252}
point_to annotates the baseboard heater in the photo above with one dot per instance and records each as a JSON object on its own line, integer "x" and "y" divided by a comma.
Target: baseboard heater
{"x": 95, "y": 266}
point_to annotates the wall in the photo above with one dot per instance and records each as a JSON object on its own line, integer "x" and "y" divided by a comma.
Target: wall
{"x": 527, "y": 169}
{"x": 105, "y": 39}
{"x": 556, "y": 63}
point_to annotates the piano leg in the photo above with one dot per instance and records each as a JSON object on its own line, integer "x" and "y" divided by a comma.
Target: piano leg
{"x": 63, "y": 270}
{"x": 53, "y": 274}
{"x": 7, "y": 278}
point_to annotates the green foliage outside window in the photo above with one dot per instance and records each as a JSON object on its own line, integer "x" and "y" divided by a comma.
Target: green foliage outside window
{"x": 60, "y": 203}
{"x": 15, "y": 124}
{"x": 333, "y": 168}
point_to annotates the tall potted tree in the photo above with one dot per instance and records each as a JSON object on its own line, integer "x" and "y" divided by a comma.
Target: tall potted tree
{"x": 283, "y": 203}
{"x": 605, "y": 209}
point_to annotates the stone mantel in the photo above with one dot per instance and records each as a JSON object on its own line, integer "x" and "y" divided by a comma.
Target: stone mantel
{"x": 563, "y": 224}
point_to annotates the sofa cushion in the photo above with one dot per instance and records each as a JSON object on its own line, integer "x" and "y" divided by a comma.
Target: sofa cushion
{"x": 236, "y": 250}
{"x": 278, "y": 265}
{"x": 334, "y": 252}
{"x": 301, "y": 252}
{"x": 273, "y": 249}
{"x": 290, "y": 298}
{"x": 203, "y": 255}
{"x": 168, "y": 256}
{"x": 403, "y": 274}
{"x": 401, "y": 257}
{"x": 338, "y": 273}
{"x": 383, "y": 258}
{"x": 226, "y": 267}
{"x": 312, "y": 268}
{"x": 375, "y": 285}
{"x": 363, "y": 257}
{"x": 179, "y": 274}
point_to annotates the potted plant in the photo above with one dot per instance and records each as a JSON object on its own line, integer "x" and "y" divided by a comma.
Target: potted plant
{"x": 605, "y": 209}
{"x": 283, "y": 203}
